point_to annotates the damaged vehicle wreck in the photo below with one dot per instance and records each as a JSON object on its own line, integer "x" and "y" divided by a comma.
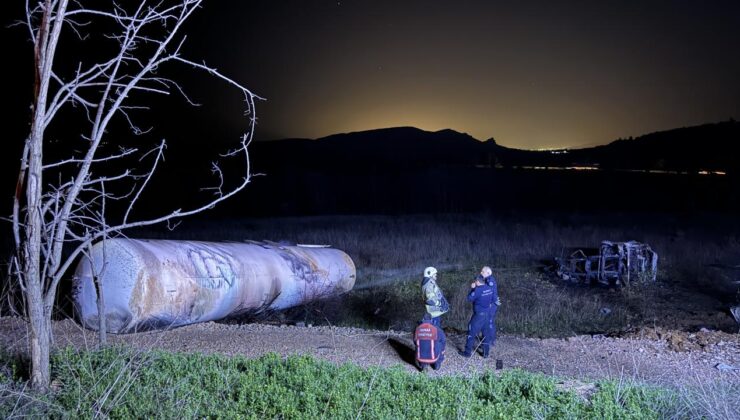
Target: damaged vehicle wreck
{"x": 612, "y": 264}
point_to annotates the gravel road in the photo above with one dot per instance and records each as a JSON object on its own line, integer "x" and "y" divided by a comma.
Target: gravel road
{"x": 659, "y": 357}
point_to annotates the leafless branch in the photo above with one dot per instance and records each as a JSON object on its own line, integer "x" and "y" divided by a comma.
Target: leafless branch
{"x": 218, "y": 190}
{"x": 160, "y": 154}
{"x": 124, "y": 152}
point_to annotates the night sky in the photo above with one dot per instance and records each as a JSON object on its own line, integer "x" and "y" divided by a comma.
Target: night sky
{"x": 531, "y": 75}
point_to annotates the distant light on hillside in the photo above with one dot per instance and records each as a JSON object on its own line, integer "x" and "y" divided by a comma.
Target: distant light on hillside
{"x": 596, "y": 168}
{"x": 584, "y": 168}
{"x": 553, "y": 151}
{"x": 563, "y": 168}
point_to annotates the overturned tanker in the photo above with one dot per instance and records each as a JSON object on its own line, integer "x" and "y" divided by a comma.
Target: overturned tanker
{"x": 152, "y": 284}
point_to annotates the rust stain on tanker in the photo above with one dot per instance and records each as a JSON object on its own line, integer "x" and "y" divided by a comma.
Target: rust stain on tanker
{"x": 148, "y": 294}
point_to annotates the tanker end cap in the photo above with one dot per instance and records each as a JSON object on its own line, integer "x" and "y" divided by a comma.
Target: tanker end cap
{"x": 117, "y": 317}
{"x": 351, "y": 277}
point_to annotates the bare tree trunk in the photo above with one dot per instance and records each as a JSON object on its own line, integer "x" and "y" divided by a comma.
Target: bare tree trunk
{"x": 39, "y": 318}
{"x": 40, "y": 322}
{"x": 102, "y": 328}
{"x": 100, "y": 294}
{"x": 45, "y": 46}
{"x": 40, "y": 338}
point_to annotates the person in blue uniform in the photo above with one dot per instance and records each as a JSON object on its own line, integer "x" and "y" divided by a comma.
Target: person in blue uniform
{"x": 487, "y": 275}
{"x": 483, "y": 297}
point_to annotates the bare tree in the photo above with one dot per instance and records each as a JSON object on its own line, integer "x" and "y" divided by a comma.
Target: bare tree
{"x": 60, "y": 206}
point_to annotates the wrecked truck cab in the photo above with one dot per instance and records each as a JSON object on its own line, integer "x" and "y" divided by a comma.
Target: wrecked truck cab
{"x": 612, "y": 264}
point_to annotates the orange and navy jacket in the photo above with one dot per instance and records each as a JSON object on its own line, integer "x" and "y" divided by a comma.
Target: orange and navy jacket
{"x": 430, "y": 343}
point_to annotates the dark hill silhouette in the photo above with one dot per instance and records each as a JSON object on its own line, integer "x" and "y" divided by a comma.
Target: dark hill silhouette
{"x": 705, "y": 147}
{"x": 407, "y": 170}
{"x": 714, "y": 147}
{"x": 387, "y": 148}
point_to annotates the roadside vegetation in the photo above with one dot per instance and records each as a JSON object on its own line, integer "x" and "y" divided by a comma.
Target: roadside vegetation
{"x": 120, "y": 383}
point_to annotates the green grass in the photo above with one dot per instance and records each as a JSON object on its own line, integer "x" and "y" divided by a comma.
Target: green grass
{"x": 531, "y": 306}
{"x": 120, "y": 383}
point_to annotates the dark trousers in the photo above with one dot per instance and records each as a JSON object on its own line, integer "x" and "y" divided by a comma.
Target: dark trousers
{"x": 491, "y": 326}
{"x": 436, "y": 365}
{"x": 479, "y": 323}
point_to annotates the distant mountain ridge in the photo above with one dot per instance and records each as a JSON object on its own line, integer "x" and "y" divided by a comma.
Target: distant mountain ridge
{"x": 406, "y": 170}
{"x": 708, "y": 147}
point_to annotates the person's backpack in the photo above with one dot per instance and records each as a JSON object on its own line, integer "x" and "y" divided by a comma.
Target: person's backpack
{"x": 425, "y": 338}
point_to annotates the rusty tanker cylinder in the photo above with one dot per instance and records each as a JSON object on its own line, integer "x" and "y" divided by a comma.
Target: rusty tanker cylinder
{"x": 151, "y": 284}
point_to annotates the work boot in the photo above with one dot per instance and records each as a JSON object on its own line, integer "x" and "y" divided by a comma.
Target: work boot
{"x": 464, "y": 353}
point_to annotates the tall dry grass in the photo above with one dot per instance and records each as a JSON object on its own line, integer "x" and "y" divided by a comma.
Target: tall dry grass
{"x": 390, "y": 253}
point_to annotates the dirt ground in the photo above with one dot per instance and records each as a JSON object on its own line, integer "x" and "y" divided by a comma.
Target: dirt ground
{"x": 649, "y": 355}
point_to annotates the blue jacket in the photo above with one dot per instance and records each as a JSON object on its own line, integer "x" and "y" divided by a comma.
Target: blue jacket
{"x": 491, "y": 281}
{"x": 482, "y": 297}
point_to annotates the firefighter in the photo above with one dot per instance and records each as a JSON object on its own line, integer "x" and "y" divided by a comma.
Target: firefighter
{"x": 430, "y": 344}
{"x": 435, "y": 303}
{"x": 483, "y": 297}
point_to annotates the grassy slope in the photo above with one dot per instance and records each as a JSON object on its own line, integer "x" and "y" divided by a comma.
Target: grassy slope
{"x": 123, "y": 384}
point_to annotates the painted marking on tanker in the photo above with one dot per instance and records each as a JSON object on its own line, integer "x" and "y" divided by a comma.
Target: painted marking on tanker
{"x": 213, "y": 270}
{"x": 301, "y": 264}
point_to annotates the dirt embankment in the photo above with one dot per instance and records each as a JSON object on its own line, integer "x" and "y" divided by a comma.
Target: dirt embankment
{"x": 650, "y": 355}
